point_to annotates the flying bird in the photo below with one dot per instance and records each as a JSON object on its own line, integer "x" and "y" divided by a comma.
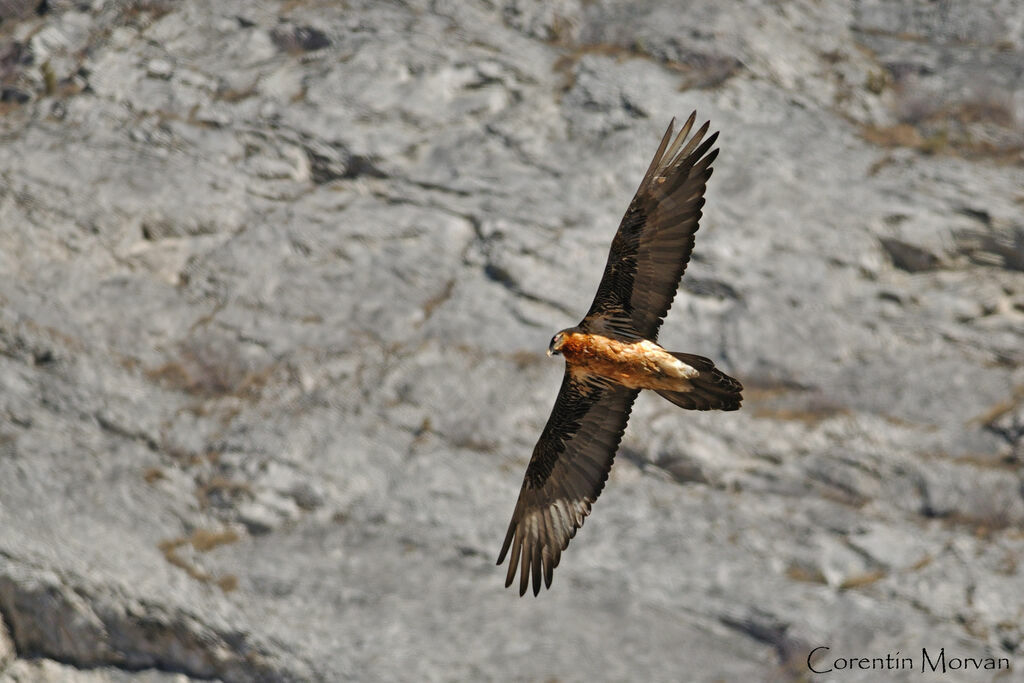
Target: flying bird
{"x": 613, "y": 353}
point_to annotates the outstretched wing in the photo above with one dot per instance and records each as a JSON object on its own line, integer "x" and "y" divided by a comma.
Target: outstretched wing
{"x": 655, "y": 238}
{"x": 568, "y": 469}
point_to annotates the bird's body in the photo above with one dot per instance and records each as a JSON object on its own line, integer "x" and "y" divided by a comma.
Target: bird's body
{"x": 613, "y": 354}
{"x": 635, "y": 364}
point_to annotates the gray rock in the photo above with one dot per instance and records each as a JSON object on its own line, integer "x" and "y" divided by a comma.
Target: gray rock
{"x": 276, "y": 283}
{"x": 7, "y": 651}
{"x": 49, "y": 671}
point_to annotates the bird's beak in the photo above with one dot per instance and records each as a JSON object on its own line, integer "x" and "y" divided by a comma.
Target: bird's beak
{"x": 549, "y": 353}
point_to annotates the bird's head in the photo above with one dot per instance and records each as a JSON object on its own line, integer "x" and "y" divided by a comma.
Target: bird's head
{"x": 557, "y": 342}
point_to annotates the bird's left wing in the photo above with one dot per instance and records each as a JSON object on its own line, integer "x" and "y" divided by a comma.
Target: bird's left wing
{"x": 568, "y": 469}
{"x": 655, "y": 238}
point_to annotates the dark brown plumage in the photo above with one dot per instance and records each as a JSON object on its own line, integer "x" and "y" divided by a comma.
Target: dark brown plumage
{"x": 612, "y": 354}
{"x": 655, "y": 238}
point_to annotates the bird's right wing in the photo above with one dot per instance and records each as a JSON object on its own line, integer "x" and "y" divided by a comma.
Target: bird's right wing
{"x": 568, "y": 469}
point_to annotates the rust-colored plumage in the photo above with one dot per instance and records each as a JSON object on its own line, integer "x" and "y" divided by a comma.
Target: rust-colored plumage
{"x": 613, "y": 354}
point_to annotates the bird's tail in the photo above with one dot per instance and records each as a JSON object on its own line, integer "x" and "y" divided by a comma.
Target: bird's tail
{"x": 712, "y": 389}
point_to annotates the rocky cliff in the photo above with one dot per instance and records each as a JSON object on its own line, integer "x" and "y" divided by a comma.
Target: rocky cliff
{"x": 277, "y": 278}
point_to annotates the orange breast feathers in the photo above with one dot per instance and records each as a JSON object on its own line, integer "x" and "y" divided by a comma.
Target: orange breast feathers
{"x": 638, "y": 365}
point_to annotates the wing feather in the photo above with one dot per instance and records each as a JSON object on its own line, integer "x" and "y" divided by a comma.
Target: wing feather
{"x": 654, "y": 241}
{"x": 565, "y": 476}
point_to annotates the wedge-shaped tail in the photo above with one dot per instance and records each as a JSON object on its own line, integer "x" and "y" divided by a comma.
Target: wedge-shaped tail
{"x": 712, "y": 389}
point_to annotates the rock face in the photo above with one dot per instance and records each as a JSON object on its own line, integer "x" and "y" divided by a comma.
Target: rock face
{"x": 276, "y": 281}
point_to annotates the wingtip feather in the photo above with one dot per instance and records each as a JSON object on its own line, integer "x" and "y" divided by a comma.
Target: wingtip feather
{"x": 524, "y": 576}
{"x": 508, "y": 541}
{"x": 656, "y": 161}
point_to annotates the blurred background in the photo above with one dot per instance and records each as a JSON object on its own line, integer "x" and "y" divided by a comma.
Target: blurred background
{"x": 277, "y": 279}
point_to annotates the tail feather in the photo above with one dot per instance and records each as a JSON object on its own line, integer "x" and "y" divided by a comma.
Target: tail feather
{"x": 712, "y": 389}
